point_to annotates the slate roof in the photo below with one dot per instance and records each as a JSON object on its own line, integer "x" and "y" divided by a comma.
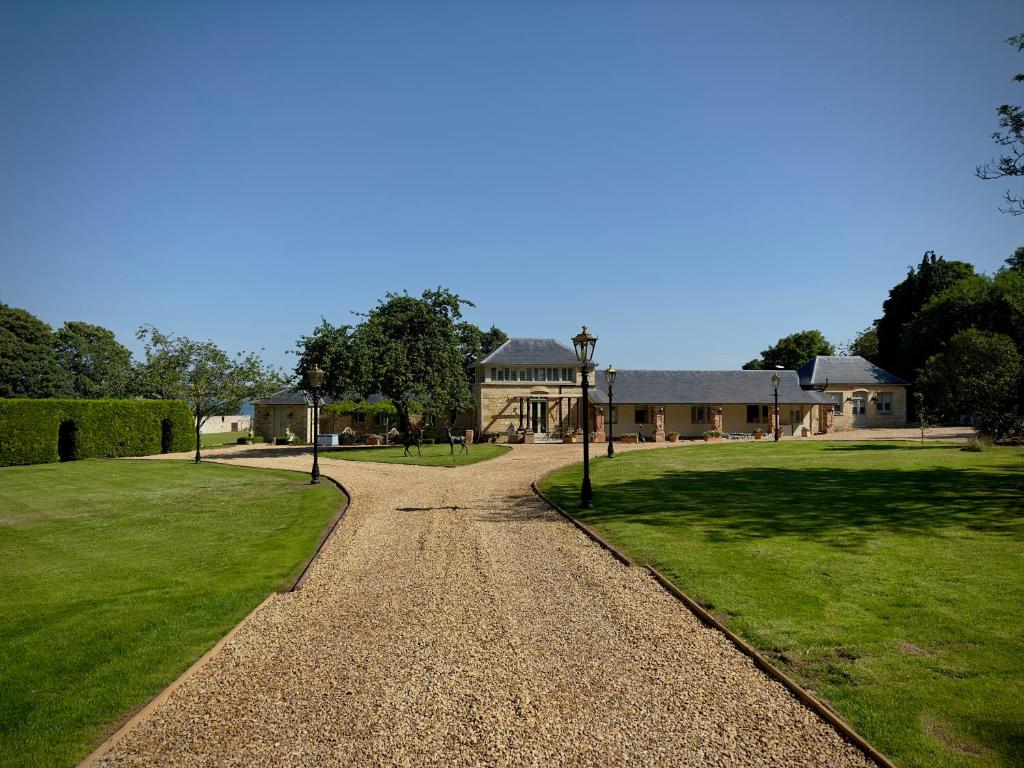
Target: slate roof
{"x": 289, "y": 396}
{"x": 840, "y": 369}
{"x": 530, "y": 352}
{"x": 715, "y": 387}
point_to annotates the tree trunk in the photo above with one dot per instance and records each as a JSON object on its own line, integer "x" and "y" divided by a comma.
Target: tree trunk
{"x": 403, "y": 417}
{"x": 198, "y": 441}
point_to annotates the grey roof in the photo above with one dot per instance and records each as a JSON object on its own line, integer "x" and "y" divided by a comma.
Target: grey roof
{"x": 530, "y": 352}
{"x": 844, "y": 369}
{"x": 713, "y": 387}
{"x": 289, "y": 396}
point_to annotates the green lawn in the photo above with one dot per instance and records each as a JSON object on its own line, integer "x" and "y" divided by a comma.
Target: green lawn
{"x": 433, "y": 455}
{"x": 118, "y": 575}
{"x": 888, "y": 577}
{"x": 215, "y": 439}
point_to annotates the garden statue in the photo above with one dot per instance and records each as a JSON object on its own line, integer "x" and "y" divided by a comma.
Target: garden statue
{"x": 410, "y": 439}
{"x": 453, "y": 441}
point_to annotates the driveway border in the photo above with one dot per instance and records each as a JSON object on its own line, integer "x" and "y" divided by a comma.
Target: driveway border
{"x": 802, "y": 694}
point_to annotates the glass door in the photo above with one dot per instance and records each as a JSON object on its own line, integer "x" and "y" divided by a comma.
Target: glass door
{"x": 539, "y": 417}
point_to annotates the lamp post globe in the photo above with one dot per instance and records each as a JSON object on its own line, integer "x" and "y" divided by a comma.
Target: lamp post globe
{"x": 315, "y": 378}
{"x": 584, "y": 343}
{"x": 609, "y": 377}
{"x": 776, "y": 380}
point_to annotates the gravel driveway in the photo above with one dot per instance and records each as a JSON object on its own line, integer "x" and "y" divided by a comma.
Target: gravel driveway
{"x": 454, "y": 620}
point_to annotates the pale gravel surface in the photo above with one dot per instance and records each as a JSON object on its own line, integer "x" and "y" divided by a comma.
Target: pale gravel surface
{"x": 493, "y": 633}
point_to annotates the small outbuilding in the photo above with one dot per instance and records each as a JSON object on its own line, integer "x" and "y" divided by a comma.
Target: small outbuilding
{"x": 861, "y": 393}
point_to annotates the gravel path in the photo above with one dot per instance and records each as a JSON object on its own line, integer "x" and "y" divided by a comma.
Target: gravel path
{"x": 454, "y": 620}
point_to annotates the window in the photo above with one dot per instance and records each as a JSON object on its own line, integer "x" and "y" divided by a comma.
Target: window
{"x": 615, "y": 414}
{"x": 640, "y": 416}
{"x": 526, "y": 374}
{"x": 567, "y": 374}
{"x": 494, "y": 374}
{"x": 697, "y": 414}
{"x": 795, "y": 416}
{"x": 380, "y": 419}
{"x": 883, "y": 402}
{"x": 837, "y": 402}
{"x": 359, "y": 419}
{"x": 757, "y": 414}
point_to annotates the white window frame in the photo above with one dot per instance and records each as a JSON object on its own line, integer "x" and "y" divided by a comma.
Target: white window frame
{"x": 887, "y": 402}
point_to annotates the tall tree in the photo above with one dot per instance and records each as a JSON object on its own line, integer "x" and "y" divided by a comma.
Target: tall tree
{"x": 28, "y": 363}
{"x": 1010, "y": 137}
{"x": 407, "y": 349}
{"x": 1016, "y": 261}
{"x": 475, "y": 342}
{"x": 95, "y": 363}
{"x": 978, "y": 374}
{"x": 865, "y": 344}
{"x": 932, "y": 276}
{"x": 330, "y": 347}
{"x": 792, "y": 351}
{"x": 201, "y": 374}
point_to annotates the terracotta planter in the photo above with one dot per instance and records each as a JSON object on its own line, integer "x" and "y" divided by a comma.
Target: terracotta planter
{"x": 709, "y": 439}
{"x": 759, "y": 435}
{"x": 673, "y": 438}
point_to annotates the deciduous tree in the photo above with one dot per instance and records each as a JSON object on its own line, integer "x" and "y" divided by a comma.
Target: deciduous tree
{"x": 202, "y": 374}
{"x": 96, "y": 364}
{"x": 792, "y": 351}
{"x": 1010, "y": 138}
{"x": 28, "y": 363}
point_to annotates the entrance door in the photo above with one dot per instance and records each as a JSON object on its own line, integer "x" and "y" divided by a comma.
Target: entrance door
{"x": 539, "y": 417}
{"x": 858, "y": 407}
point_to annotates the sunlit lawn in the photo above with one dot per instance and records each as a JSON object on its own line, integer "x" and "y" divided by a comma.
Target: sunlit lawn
{"x": 887, "y": 577}
{"x": 117, "y": 575}
{"x": 216, "y": 439}
{"x": 433, "y": 455}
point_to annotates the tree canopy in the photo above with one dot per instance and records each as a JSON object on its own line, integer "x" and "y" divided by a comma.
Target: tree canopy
{"x": 28, "y": 362}
{"x": 931, "y": 277}
{"x": 977, "y": 374}
{"x": 1010, "y": 138}
{"x": 416, "y": 351}
{"x": 96, "y": 364}
{"x": 792, "y": 351}
{"x": 202, "y": 374}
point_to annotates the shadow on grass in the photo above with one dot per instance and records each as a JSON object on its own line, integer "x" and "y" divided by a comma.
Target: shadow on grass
{"x": 840, "y": 506}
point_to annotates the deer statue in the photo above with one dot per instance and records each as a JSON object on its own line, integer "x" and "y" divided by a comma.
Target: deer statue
{"x": 410, "y": 439}
{"x": 453, "y": 441}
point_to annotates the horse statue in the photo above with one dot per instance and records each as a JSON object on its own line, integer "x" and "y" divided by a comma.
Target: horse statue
{"x": 410, "y": 439}
{"x": 454, "y": 440}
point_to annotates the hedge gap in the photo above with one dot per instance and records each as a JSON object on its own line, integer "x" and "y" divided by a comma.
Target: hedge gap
{"x": 31, "y": 429}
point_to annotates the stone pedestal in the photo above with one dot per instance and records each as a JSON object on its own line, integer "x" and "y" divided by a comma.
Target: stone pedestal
{"x": 527, "y": 437}
{"x": 659, "y": 425}
{"x": 715, "y": 420}
{"x": 469, "y": 437}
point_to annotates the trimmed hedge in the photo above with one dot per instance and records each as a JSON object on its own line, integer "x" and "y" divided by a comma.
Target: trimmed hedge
{"x": 29, "y": 429}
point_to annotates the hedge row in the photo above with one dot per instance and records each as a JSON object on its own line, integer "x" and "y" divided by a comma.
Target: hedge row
{"x": 41, "y": 431}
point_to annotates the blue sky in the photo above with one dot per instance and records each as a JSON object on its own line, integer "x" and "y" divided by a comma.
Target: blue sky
{"x": 693, "y": 181}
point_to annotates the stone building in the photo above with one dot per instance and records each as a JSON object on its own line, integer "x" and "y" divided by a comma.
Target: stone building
{"x": 861, "y": 393}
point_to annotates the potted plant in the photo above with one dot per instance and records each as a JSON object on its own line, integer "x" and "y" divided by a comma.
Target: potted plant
{"x": 672, "y": 437}
{"x": 759, "y": 434}
{"x": 628, "y": 437}
{"x": 712, "y": 436}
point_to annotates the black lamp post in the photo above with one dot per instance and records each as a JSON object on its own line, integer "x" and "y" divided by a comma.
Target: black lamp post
{"x": 315, "y": 377}
{"x": 584, "y": 344}
{"x": 776, "y": 379}
{"x": 609, "y": 376}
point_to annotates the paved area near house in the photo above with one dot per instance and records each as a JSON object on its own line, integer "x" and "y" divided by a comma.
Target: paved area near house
{"x": 953, "y": 434}
{"x": 454, "y": 620}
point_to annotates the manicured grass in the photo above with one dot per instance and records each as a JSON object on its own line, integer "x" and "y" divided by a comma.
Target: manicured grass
{"x": 433, "y": 455}
{"x": 215, "y": 439}
{"x": 118, "y": 575}
{"x": 888, "y": 577}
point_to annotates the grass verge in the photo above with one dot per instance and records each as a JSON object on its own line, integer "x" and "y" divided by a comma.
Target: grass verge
{"x": 118, "y": 575}
{"x": 433, "y": 455}
{"x": 884, "y": 576}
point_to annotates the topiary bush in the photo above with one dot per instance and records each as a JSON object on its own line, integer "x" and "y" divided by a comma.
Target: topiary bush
{"x": 41, "y": 431}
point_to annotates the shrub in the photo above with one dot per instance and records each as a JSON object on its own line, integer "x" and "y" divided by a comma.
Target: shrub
{"x": 977, "y": 444}
{"x": 30, "y": 430}
{"x": 712, "y": 433}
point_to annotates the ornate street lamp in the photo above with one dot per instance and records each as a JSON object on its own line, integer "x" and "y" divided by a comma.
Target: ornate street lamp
{"x": 609, "y": 376}
{"x": 776, "y": 380}
{"x": 584, "y": 344}
{"x": 315, "y": 377}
